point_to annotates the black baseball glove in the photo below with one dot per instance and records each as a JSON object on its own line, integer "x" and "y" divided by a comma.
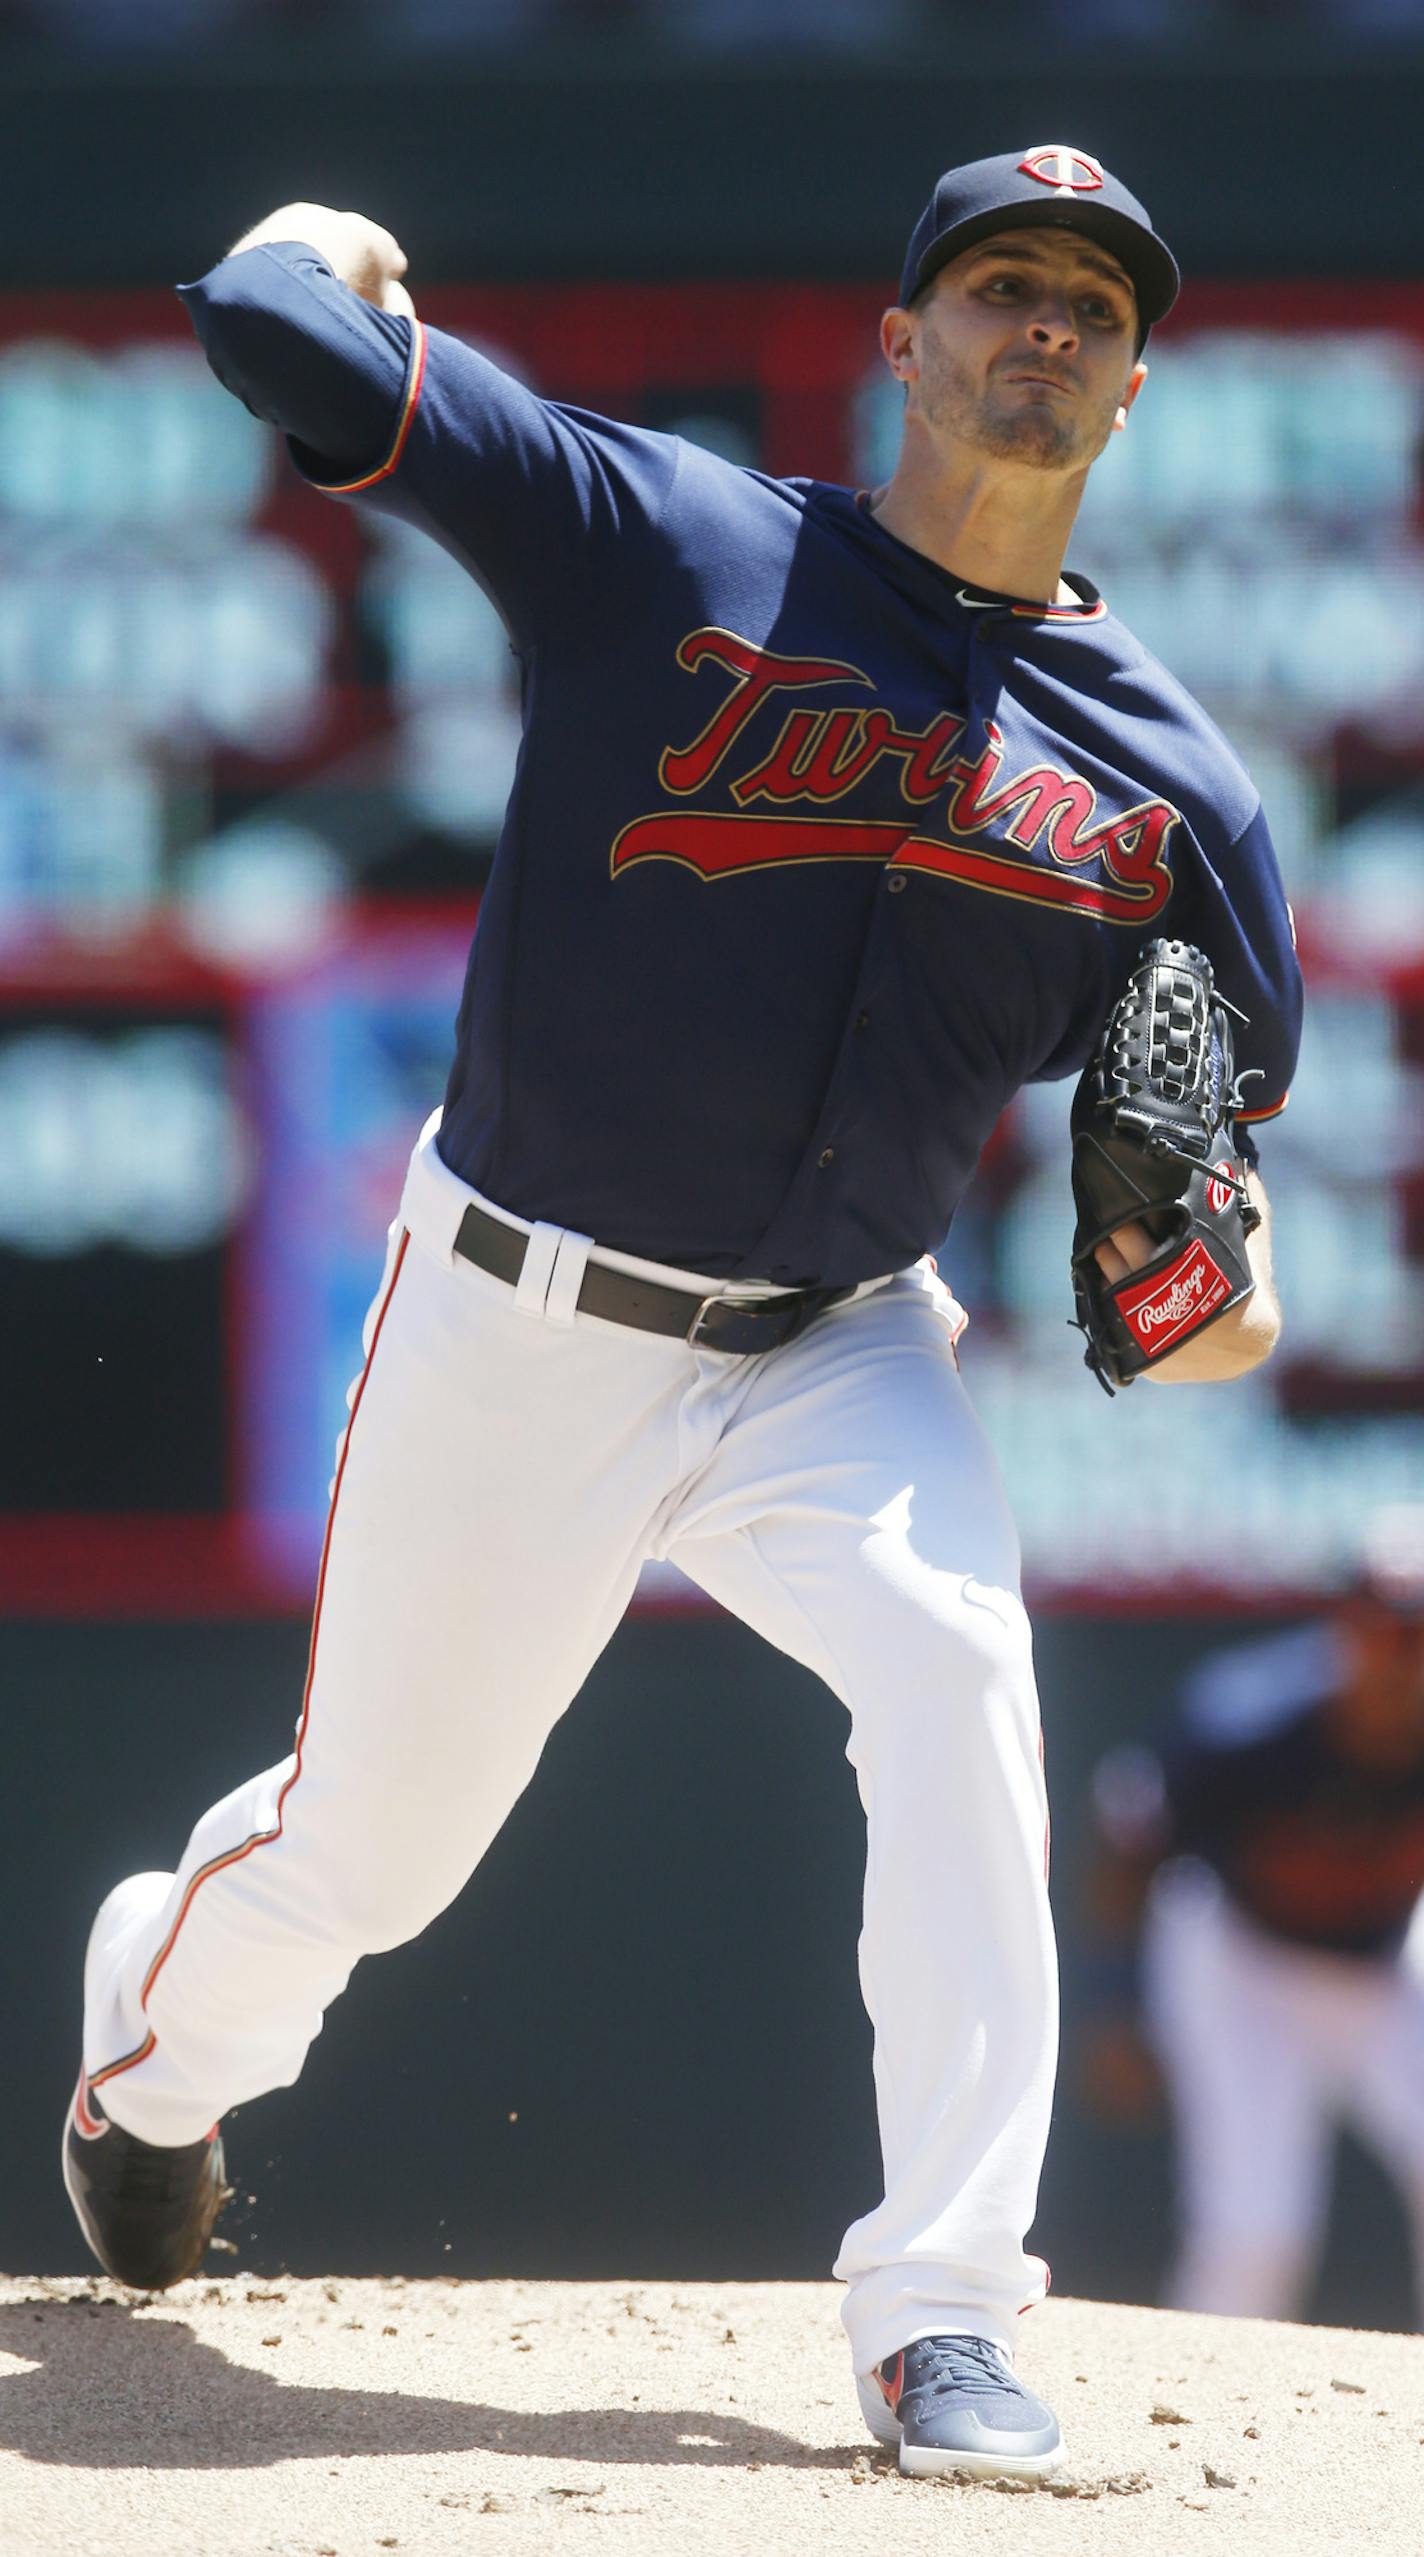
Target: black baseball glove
{"x": 1152, "y": 1146}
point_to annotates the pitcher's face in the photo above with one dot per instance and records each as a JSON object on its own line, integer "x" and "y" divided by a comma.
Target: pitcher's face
{"x": 1024, "y": 348}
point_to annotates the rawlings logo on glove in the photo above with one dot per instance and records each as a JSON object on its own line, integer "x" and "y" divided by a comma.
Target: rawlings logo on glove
{"x": 1152, "y": 1147}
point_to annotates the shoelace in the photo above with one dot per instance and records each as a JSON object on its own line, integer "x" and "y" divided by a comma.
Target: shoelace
{"x": 969, "y": 2364}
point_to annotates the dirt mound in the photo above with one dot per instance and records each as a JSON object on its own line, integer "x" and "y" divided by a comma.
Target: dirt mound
{"x": 237, "y": 2418}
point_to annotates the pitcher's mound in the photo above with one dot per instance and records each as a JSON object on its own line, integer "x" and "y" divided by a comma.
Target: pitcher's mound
{"x": 239, "y": 2418}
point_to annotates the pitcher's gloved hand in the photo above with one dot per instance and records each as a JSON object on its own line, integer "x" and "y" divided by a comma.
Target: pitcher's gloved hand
{"x": 1153, "y": 1148}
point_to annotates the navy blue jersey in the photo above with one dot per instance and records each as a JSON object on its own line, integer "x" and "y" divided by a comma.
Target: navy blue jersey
{"x": 814, "y": 856}
{"x": 1315, "y": 1844}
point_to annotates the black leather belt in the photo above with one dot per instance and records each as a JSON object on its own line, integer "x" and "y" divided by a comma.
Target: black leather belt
{"x": 740, "y": 1325}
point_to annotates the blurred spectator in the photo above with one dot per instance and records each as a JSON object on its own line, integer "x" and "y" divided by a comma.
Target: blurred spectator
{"x": 1173, "y": 24}
{"x": 453, "y": 25}
{"x": 1138, "y": 22}
{"x": 147, "y": 26}
{"x": 1276, "y": 1854}
{"x": 730, "y": 26}
{"x": 726, "y": 26}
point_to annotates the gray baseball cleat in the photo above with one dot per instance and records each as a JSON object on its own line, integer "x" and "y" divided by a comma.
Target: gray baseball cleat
{"x": 952, "y": 2402}
{"x": 147, "y": 2212}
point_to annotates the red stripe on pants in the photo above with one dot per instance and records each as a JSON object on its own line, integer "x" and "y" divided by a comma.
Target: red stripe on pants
{"x": 265, "y": 1837}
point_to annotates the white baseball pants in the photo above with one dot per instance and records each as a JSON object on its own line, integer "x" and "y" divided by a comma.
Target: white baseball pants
{"x": 1267, "y": 2048}
{"x": 507, "y": 1467}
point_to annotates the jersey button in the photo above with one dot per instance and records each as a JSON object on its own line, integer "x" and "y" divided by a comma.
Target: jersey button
{"x": 826, "y": 1155}
{"x": 862, "y": 1020}
{"x": 896, "y": 882}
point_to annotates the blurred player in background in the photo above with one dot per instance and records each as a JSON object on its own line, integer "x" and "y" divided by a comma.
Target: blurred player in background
{"x": 1260, "y": 1935}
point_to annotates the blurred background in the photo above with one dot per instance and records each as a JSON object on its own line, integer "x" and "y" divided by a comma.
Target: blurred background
{"x": 253, "y": 757}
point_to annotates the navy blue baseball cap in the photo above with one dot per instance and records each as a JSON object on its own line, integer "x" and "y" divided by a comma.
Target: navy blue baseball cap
{"x": 1021, "y": 190}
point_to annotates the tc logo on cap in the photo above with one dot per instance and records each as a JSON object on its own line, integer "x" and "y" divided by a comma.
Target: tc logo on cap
{"x": 1069, "y": 172}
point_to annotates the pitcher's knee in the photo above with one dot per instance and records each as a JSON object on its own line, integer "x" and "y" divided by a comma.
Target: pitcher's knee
{"x": 351, "y": 1882}
{"x": 950, "y": 1645}
{"x": 371, "y": 1865}
{"x": 375, "y": 1910}
{"x": 946, "y": 1729}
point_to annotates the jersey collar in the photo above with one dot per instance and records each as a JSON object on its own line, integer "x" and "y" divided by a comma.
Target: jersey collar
{"x": 1089, "y": 606}
{"x": 984, "y": 599}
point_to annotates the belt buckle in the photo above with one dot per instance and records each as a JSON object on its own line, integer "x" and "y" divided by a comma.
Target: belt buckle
{"x": 741, "y": 1332}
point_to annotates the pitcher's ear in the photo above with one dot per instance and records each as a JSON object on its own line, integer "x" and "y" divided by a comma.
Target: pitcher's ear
{"x": 897, "y": 343}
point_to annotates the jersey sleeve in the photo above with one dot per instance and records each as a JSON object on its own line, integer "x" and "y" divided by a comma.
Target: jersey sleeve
{"x": 538, "y": 501}
{"x": 1236, "y": 910}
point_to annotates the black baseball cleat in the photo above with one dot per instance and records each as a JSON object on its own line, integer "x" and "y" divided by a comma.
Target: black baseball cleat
{"x": 952, "y": 2402}
{"x": 147, "y": 2212}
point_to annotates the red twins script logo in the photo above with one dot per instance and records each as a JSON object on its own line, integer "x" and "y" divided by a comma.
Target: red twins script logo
{"x": 768, "y": 753}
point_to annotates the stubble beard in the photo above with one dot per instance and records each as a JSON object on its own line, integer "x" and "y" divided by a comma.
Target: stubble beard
{"x": 1037, "y": 437}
